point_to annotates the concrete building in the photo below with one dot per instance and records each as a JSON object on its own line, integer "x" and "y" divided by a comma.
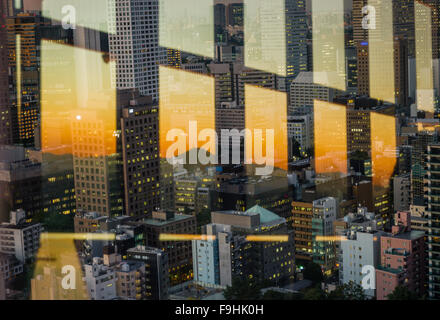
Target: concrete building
{"x": 130, "y": 283}
{"x": 5, "y": 114}
{"x": 402, "y": 192}
{"x": 101, "y": 280}
{"x": 433, "y": 209}
{"x": 239, "y": 193}
{"x": 300, "y": 128}
{"x": 192, "y": 193}
{"x": 324, "y": 215}
{"x": 20, "y": 238}
{"x": 140, "y": 154}
{"x": 302, "y": 215}
{"x": 179, "y": 252}
{"x": 403, "y": 260}
{"x": 135, "y": 46}
{"x": 20, "y": 183}
{"x": 239, "y": 256}
{"x": 157, "y": 280}
{"x": 303, "y": 92}
{"x": 360, "y": 250}
{"x": 205, "y": 254}
{"x": 419, "y": 218}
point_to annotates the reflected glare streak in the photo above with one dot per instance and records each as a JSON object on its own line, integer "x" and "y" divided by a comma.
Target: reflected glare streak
{"x": 187, "y": 25}
{"x": 424, "y": 54}
{"x": 328, "y": 43}
{"x": 330, "y": 138}
{"x": 265, "y": 35}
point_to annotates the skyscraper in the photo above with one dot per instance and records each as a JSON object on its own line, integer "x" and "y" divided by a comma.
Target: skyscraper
{"x": 135, "y": 46}
{"x": 140, "y": 145}
{"x": 5, "y": 115}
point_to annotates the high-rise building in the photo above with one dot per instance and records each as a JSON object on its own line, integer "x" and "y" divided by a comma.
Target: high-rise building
{"x": 135, "y": 46}
{"x": 296, "y": 39}
{"x": 97, "y": 167}
{"x": 302, "y": 215}
{"x": 24, "y": 34}
{"x": 140, "y": 143}
{"x": 324, "y": 215}
{"x": 420, "y": 144}
{"x": 433, "y": 208}
{"x": 5, "y": 113}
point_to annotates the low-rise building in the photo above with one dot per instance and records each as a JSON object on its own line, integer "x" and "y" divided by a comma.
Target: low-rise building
{"x": 19, "y": 237}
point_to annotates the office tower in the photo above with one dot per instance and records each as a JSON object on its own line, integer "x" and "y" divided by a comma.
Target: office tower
{"x": 359, "y": 111}
{"x": 303, "y": 92}
{"x": 433, "y": 208}
{"x": 156, "y": 271}
{"x": 5, "y": 113}
{"x": 224, "y": 85}
{"x": 401, "y": 71}
{"x": 324, "y": 215}
{"x": 24, "y": 35}
{"x": 403, "y": 260}
{"x": 135, "y": 46}
{"x": 140, "y": 154}
{"x": 352, "y": 69}
{"x": 179, "y": 252}
{"x": 220, "y": 15}
{"x": 97, "y": 167}
{"x": 292, "y": 44}
{"x": 402, "y": 192}
{"x": 404, "y": 23}
{"x": 360, "y": 34}
{"x": 166, "y": 186}
{"x": 19, "y": 237}
{"x": 238, "y": 256}
{"x": 296, "y": 39}
{"x": 302, "y": 215}
{"x": 420, "y": 144}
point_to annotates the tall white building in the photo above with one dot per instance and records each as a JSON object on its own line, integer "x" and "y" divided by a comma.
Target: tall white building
{"x": 360, "y": 253}
{"x": 134, "y": 44}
